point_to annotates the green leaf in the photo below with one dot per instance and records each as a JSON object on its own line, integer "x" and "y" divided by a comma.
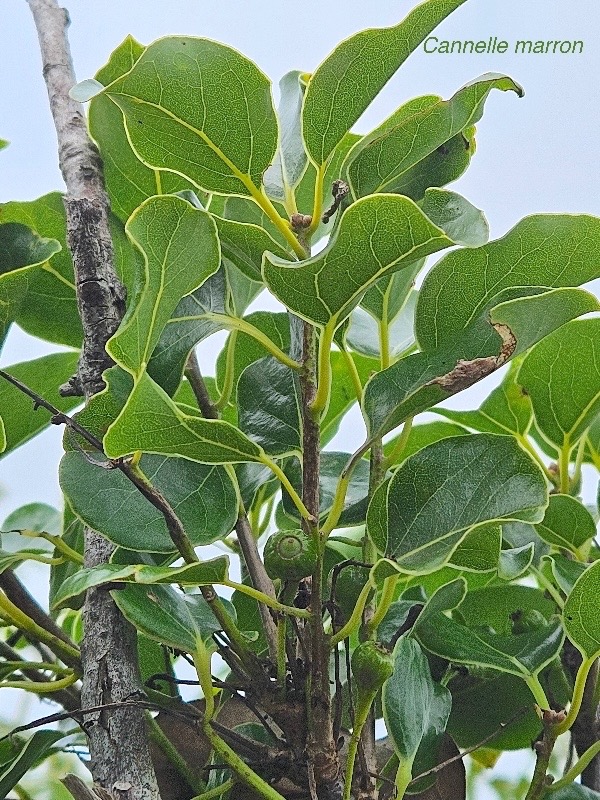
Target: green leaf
{"x": 2, "y": 436}
{"x": 53, "y": 286}
{"x": 420, "y": 436}
{"x": 181, "y": 250}
{"x": 169, "y": 617}
{"x": 178, "y": 101}
{"x": 512, "y": 324}
{"x": 352, "y": 75}
{"x": 444, "y": 165}
{"x": 22, "y": 250}
{"x": 462, "y": 221}
{"x": 504, "y": 697}
{"x": 381, "y": 160}
{"x": 496, "y": 606}
{"x": 507, "y": 409}
{"x": 376, "y": 236}
{"x": 410, "y": 697}
{"x": 567, "y": 524}
{"x": 580, "y": 612}
{"x": 73, "y": 536}
{"x": 274, "y": 325}
{"x": 343, "y": 391}
{"x": 287, "y": 169}
{"x": 152, "y": 422}
{"x": 446, "y": 598}
{"x": 128, "y": 180}
{"x": 305, "y": 192}
{"x": 523, "y": 655}
{"x": 592, "y": 448}
{"x": 268, "y": 408}
{"x": 331, "y": 467}
{"x": 364, "y": 333}
{"x": 419, "y": 516}
{"x": 386, "y": 299}
{"x": 203, "y": 497}
{"x": 479, "y": 551}
{"x": 44, "y": 375}
{"x": 562, "y": 377}
{"x": 575, "y": 791}
{"x": 534, "y": 253}
{"x": 243, "y": 245}
{"x": 565, "y": 571}
{"x": 3, "y": 144}
{"x": 187, "y": 327}
{"x": 19, "y": 755}
{"x": 515, "y": 561}
{"x": 38, "y": 517}
{"x": 201, "y": 573}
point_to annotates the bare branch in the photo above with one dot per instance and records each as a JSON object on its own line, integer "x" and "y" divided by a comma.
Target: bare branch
{"x": 118, "y": 743}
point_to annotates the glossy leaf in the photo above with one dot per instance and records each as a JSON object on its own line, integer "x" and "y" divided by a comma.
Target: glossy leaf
{"x": 332, "y": 465}
{"x": 44, "y": 375}
{"x": 169, "y": 617}
{"x": 305, "y": 191}
{"x": 187, "y": 326}
{"x": 376, "y": 236}
{"x": 497, "y": 606}
{"x": 533, "y": 253}
{"x": 19, "y": 755}
{"x": 274, "y": 325}
{"x": 462, "y": 221}
{"x": 562, "y": 377}
{"x": 419, "y": 516}
{"x": 364, "y": 334}
{"x": 268, "y": 408}
{"x": 505, "y": 698}
{"x": 379, "y": 161}
{"x": 203, "y": 497}
{"x": 515, "y": 561}
{"x": 420, "y": 436}
{"x": 565, "y": 571}
{"x": 53, "y": 286}
{"x": 128, "y": 180}
{"x": 38, "y": 517}
{"x": 567, "y": 524}
{"x": 409, "y": 697}
{"x": 152, "y": 422}
{"x": 291, "y": 159}
{"x": 343, "y": 390}
{"x": 243, "y": 245}
{"x": 479, "y": 551}
{"x": 507, "y": 409}
{"x": 511, "y": 325}
{"x": 580, "y": 612}
{"x": 22, "y": 251}
{"x": 197, "y": 574}
{"x": 446, "y": 598}
{"x": 524, "y": 654}
{"x": 178, "y": 101}
{"x": 352, "y": 75}
{"x": 181, "y": 250}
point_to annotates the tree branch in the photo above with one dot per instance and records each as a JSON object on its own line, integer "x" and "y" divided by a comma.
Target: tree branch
{"x": 118, "y": 744}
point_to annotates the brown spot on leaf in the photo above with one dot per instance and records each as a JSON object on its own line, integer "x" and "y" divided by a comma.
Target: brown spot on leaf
{"x": 466, "y": 372}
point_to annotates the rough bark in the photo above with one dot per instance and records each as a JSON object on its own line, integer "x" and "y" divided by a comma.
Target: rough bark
{"x": 120, "y": 758}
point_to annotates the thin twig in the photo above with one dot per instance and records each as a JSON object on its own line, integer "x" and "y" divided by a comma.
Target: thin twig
{"x": 472, "y": 748}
